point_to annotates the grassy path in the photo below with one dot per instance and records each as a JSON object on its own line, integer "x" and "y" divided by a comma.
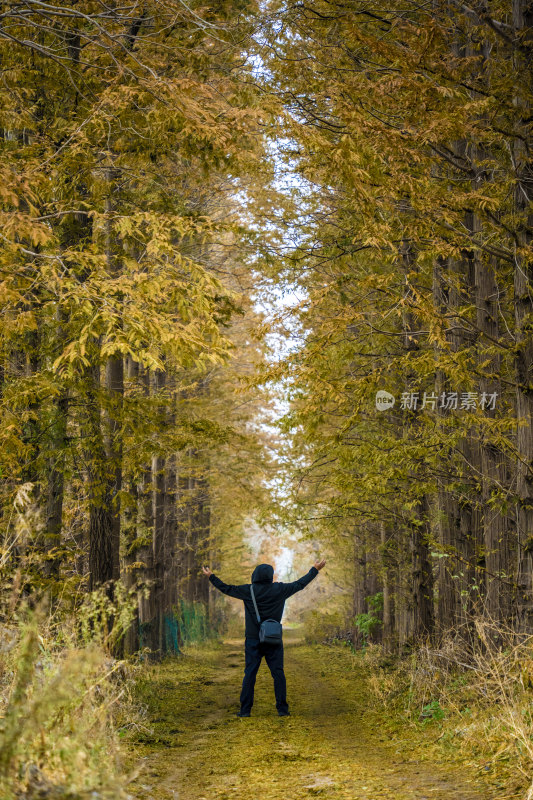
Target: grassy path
{"x": 334, "y": 745}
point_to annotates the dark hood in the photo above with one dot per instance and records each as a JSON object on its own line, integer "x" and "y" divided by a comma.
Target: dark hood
{"x": 264, "y": 573}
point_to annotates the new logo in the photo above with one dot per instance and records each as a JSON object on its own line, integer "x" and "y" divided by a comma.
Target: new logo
{"x": 384, "y": 400}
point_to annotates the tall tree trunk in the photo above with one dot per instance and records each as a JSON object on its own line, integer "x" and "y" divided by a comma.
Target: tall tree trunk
{"x": 115, "y": 393}
{"x": 100, "y": 482}
{"x": 56, "y": 487}
{"x": 105, "y": 458}
{"x": 131, "y": 570}
{"x": 388, "y": 570}
{"x": 202, "y": 553}
{"x": 359, "y": 567}
{"x": 523, "y": 303}
{"x": 145, "y": 555}
{"x": 462, "y": 529}
{"x": 467, "y": 506}
{"x": 447, "y": 510}
{"x": 495, "y": 478}
{"x": 422, "y": 577}
{"x": 170, "y": 573}
{"x": 422, "y": 621}
{"x": 183, "y": 534}
{"x": 493, "y": 465}
{"x": 159, "y": 545}
{"x": 459, "y": 526}
{"x": 114, "y": 378}
{"x": 188, "y": 529}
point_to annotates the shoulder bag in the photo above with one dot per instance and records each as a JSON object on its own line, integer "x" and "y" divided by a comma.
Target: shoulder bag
{"x": 270, "y": 630}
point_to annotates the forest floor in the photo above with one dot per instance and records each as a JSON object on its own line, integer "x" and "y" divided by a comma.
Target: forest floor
{"x": 337, "y": 743}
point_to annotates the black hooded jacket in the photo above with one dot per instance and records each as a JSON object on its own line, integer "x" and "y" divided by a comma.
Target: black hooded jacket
{"x": 270, "y": 597}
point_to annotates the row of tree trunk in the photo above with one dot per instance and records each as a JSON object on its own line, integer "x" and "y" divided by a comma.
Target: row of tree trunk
{"x": 449, "y": 300}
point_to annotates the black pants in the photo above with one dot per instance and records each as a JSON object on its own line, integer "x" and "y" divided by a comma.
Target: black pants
{"x": 254, "y": 651}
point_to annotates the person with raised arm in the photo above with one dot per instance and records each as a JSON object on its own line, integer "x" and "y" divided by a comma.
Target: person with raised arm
{"x": 264, "y": 602}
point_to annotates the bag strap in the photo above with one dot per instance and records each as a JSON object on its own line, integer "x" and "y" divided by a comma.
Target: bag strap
{"x": 255, "y": 604}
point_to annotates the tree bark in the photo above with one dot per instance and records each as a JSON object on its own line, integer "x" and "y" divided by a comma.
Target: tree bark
{"x": 422, "y": 577}
{"x": 523, "y": 304}
{"x": 422, "y": 622}
{"x": 114, "y": 379}
{"x": 131, "y": 569}
{"x": 100, "y": 482}
{"x": 56, "y": 488}
{"x": 388, "y": 570}
{"x": 159, "y": 544}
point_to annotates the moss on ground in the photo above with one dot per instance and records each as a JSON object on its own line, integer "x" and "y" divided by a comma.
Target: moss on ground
{"x": 337, "y": 743}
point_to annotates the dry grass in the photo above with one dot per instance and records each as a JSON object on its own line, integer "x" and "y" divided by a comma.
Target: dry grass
{"x": 476, "y": 691}
{"x": 63, "y": 698}
{"x": 61, "y": 703}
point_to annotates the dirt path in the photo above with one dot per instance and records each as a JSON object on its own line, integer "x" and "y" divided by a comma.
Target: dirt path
{"x": 333, "y": 745}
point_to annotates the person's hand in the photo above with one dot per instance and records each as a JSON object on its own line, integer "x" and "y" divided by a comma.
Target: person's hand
{"x": 319, "y": 564}
{"x": 207, "y": 571}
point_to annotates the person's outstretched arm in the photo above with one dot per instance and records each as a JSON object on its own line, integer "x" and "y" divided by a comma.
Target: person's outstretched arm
{"x": 240, "y": 592}
{"x": 301, "y": 583}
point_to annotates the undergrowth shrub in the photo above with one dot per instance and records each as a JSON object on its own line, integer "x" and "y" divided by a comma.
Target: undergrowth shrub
{"x": 369, "y": 622}
{"x": 478, "y": 690}
{"x": 59, "y": 706}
